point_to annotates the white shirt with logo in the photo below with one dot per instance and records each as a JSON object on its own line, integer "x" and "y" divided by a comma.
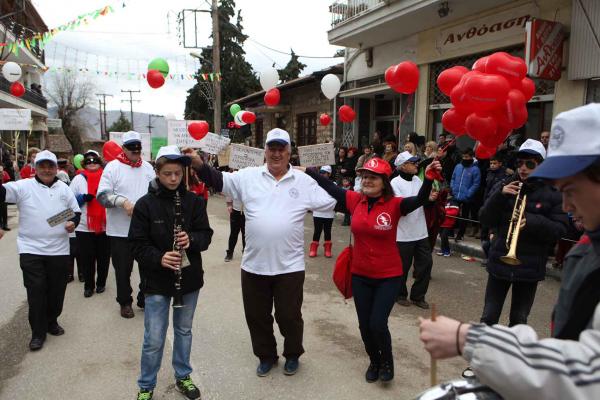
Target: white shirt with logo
{"x": 36, "y": 203}
{"x": 131, "y": 183}
{"x": 275, "y": 213}
{"x": 413, "y": 226}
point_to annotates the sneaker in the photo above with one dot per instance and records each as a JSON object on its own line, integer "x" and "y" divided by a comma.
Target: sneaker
{"x": 187, "y": 388}
{"x": 403, "y": 301}
{"x": 421, "y": 304}
{"x": 228, "y": 257}
{"x": 264, "y": 367}
{"x": 386, "y": 371}
{"x": 291, "y": 366}
{"x": 446, "y": 254}
{"x": 372, "y": 373}
{"x": 144, "y": 394}
{"x": 440, "y": 253}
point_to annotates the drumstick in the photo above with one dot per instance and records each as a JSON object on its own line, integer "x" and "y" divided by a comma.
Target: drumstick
{"x": 433, "y": 369}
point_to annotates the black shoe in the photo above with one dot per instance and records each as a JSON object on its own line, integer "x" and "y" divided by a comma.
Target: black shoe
{"x": 187, "y": 388}
{"x": 70, "y": 279}
{"x": 88, "y": 293}
{"x": 55, "y": 329}
{"x": 421, "y": 304}
{"x": 386, "y": 371}
{"x": 5, "y": 228}
{"x": 141, "y": 302}
{"x": 100, "y": 289}
{"x": 36, "y": 344}
{"x": 81, "y": 278}
{"x": 264, "y": 367}
{"x": 403, "y": 301}
{"x": 372, "y": 373}
{"x": 127, "y": 311}
{"x": 291, "y": 366}
{"x": 228, "y": 256}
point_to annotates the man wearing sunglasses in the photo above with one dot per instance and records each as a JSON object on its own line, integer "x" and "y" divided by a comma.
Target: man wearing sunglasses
{"x": 543, "y": 224}
{"x": 123, "y": 182}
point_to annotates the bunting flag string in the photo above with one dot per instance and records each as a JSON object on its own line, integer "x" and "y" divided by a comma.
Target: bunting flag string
{"x": 140, "y": 76}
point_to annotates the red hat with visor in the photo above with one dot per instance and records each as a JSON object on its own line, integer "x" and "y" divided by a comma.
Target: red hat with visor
{"x": 378, "y": 166}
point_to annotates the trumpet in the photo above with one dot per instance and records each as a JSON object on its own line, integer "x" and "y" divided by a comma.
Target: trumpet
{"x": 512, "y": 237}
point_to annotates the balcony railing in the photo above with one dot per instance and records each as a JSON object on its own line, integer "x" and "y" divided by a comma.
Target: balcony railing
{"x": 342, "y": 11}
{"x": 30, "y": 96}
{"x": 22, "y": 33}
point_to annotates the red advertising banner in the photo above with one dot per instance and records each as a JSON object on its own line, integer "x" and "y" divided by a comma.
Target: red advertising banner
{"x": 544, "y": 49}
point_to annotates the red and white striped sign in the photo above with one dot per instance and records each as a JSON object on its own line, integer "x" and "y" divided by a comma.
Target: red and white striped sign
{"x": 544, "y": 50}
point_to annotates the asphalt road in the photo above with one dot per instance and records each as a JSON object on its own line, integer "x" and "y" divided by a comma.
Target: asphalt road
{"x": 98, "y": 357}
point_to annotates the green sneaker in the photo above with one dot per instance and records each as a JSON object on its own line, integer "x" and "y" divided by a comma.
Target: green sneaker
{"x": 187, "y": 388}
{"x": 145, "y": 394}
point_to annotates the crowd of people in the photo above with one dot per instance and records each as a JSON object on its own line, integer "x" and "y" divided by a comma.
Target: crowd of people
{"x": 396, "y": 204}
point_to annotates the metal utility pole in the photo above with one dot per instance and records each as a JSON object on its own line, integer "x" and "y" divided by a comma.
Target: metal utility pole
{"x": 103, "y": 126}
{"x": 131, "y": 100}
{"x": 216, "y": 54}
{"x": 149, "y": 126}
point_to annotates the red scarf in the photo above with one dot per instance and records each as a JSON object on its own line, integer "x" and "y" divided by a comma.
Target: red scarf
{"x": 96, "y": 214}
{"x": 123, "y": 158}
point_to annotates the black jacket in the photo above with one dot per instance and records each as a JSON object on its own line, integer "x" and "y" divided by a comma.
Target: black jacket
{"x": 151, "y": 236}
{"x": 545, "y": 224}
{"x": 491, "y": 179}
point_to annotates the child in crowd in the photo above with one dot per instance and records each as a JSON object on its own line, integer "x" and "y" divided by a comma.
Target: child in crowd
{"x": 323, "y": 220}
{"x": 451, "y": 212}
{"x": 347, "y": 184}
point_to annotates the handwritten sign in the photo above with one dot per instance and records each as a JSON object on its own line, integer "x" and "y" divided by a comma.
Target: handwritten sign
{"x": 15, "y": 119}
{"x": 317, "y": 155}
{"x": 61, "y": 217}
{"x": 213, "y": 143}
{"x": 223, "y": 156}
{"x": 244, "y": 156}
{"x": 178, "y": 135}
{"x": 146, "y": 143}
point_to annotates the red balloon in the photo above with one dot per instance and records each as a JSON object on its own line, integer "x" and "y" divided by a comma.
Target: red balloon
{"x": 527, "y": 88}
{"x": 486, "y": 91}
{"x": 454, "y": 122}
{"x": 155, "y": 78}
{"x": 346, "y": 113}
{"x": 516, "y": 109}
{"x": 198, "y": 130}
{"x": 272, "y": 97}
{"x": 458, "y": 96}
{"x": 481, "y": 125}
{"x": 480, "y": 64}
{"x": 501, "y": 63}
{"x": 483, "y": 152}
{"x": 325, "y": 119}
{"x": 449, "y": 78}
{"x": 249, "y": 117}
{"x": 403, "y": 78}
{"x": 110, "y": 150}
{"x": 17, "y": 89}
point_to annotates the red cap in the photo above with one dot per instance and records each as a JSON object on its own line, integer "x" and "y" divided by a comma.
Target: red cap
{"x": 378, "y": 166}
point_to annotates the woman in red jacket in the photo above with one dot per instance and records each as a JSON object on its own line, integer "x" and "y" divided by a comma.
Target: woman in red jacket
{"x": 376, "y": 263}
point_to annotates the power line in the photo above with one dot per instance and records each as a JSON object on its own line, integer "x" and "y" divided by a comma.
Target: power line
{"x": 131, "y": 100}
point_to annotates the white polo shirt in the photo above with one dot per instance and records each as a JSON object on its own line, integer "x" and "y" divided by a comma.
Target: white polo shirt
{"x": 36, "y": 203}
{"x": 413, "y": 226}
{"x": 275, "y": 213}
{"x": 131, "y": 183}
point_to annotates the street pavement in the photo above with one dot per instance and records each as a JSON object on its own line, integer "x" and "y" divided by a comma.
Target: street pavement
{"x": 98, "y": 357}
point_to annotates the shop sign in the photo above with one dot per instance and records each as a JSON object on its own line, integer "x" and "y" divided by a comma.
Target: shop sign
{"x": 544, "y": 51}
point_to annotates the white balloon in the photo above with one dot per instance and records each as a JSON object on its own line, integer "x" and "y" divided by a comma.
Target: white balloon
{"x": 238, "y": 118}
{"x": 11, "y": 71}
{"x": 269, "y": 78}
{"x": 330, "y": 85}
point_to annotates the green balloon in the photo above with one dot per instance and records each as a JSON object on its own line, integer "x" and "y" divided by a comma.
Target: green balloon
{"x": 161, "y": 65}
{"x": 234, "y": 109}
{"x": 77, "y": 161}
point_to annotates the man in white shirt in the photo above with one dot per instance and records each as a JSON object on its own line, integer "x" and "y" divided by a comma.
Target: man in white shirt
{"x": 411, "y": 235}
{"x": 43, "y": 247}
{"x": 276, "y": 198}
{"x": 123, "y": 182}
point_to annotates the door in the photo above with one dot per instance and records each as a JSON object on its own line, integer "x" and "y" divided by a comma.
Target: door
{"x": 307, "y": 129}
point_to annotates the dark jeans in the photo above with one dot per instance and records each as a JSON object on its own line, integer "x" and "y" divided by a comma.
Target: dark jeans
{"x": 45, "y": 278}
{"x": 285, "y": 291}
{"x": 320, "y": 225}
{"x": 122, "y": 260}
{"x": 468, "y": 210}
{"x": 523, "y": 294}
{"x": 444, "y": 242}
{"x": 94, "y": 255}
{"x": 485, "y": 240}
{"x": 74, "y": 256}
{"x": 3, "y": 215}
{"x": 374, "y": 300}
{"x": 237, "y": 224}
{"x": 420, "y": 252}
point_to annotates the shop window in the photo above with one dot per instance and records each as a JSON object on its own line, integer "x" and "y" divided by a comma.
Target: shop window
{"x": 307, "y": 129}
{"x": 384, "y": 107}
{"x": 258, "y": 130}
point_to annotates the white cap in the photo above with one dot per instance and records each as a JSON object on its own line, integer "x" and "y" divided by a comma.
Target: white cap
{"x": 404, "y": 157}
{"x": 535, "y": 147}
{"x": 45, "y": 155}
{"x": 574, "y": 143}
{"x": 131, "y": 136}
{"x": 172, "y": 153}
{"x": 94, "y": 152}
{"x": 325, "y": 168}
{"x": 279, "y": 136}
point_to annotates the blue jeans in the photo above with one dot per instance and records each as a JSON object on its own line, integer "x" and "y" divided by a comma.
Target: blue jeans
{"x": 156, "y": 323}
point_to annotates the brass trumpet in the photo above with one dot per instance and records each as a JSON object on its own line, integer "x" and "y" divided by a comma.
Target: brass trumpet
{"x": 512, "y": 236}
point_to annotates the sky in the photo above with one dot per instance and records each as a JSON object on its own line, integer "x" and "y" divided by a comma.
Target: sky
{"x": 129, "y": 38}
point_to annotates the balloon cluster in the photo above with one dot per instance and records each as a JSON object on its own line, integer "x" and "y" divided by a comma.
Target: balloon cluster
{"x": 241, "y": 117}
{"x": 489, "y": 101}
{"x": 158, "y": 69}
{"x": 12, "y": 72}
{"x": 268, "y": 80}
{"x": 403, "y": 78}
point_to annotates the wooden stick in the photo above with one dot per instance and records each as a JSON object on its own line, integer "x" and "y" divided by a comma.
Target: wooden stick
{"x": 433, "y": 369}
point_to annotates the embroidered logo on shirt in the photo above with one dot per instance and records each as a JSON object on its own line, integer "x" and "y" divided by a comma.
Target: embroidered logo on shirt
{"x": 384, "y": 221}
{"x": 294, "y": 193}
{"x": 557, "y": 138}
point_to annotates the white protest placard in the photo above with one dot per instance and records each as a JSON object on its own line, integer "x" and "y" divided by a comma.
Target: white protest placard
{"x": 242, "y": 156}
{"x": 213, "y": 143}
{"x": 55, "y": 123}
{"x": 146, "y": 143}
{"x": 15, "y": 119}
{"x": 317, "y": 155}
{"x": 178, "y": 135}
{"x": 61, "y": 217}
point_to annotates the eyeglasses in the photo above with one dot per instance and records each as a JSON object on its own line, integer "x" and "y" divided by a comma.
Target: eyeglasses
{"x": 530, "y": 164}
{"x": 89, "y": 161}
{"x": 133, "y": 147}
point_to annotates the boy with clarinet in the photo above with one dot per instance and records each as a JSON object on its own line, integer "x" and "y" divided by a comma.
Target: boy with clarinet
{"x": 169, "y": 228}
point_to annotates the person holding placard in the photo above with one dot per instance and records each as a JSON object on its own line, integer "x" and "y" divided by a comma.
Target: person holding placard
{"x": 48, "y": 213}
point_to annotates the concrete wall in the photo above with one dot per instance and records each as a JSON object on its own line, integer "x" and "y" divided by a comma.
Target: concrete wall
{"x": 383, "y": 56}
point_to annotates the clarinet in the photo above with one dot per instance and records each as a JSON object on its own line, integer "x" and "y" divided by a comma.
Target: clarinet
{"x": 177, "y": 228}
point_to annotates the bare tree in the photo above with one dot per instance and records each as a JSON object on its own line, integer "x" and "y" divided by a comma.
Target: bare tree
{"x": 70, "y": 93}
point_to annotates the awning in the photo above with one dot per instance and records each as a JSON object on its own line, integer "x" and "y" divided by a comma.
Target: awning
{"x": 367, "y": 91}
